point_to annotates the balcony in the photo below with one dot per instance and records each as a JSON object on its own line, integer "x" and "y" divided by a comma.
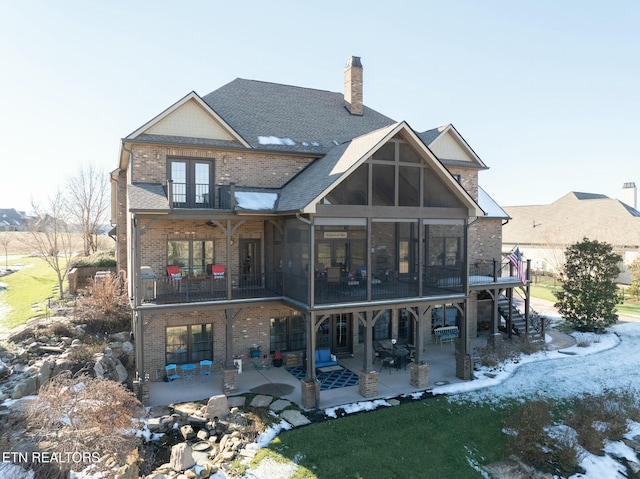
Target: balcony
{"x": 190, "y": 289}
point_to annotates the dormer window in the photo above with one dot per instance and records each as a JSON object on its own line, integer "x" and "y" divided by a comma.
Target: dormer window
{"x": 192, "y": 183}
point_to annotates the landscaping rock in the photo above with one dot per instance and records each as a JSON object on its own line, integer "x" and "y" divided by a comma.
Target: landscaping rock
{"x": 5, "y": 370}
{"x": 181, "y": 457}
{"x": 295, "y": 418}
{"x": 261, "y": 401}
{"x": 217, "y": 407}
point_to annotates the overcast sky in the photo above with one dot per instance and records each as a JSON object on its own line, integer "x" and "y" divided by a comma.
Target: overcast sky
{"x": 545, "y": 92}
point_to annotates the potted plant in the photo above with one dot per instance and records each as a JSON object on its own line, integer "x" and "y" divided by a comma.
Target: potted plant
{"x": 277, "y": 359}
{"x": 254, "y": 351}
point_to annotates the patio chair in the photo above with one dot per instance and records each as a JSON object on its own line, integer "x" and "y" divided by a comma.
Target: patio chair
{"x": 387, "y": 359}
{"x": 175, "y": 275}
{"x": 172, "y": 372}
{"x": 377, "y": 347}
{"x": 205, "y": 369}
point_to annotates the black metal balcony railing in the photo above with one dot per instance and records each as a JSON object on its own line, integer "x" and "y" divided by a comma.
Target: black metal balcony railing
{"x": 189, "y": 288}
{"x": 437, "y": 280}
{"x": 200, "y": 195}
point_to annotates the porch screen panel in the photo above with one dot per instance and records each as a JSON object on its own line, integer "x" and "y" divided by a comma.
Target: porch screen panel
{"x": 383, "y": 185}
{"x": 296, "y": 267}
{"x": 353, "y": 190}
{"x": 446, "y": 267}
{"x": 408, "y": 186}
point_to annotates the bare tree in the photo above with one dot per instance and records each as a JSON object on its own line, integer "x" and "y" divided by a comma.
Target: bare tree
{"x": 49, "y": 235}
{"x": 88, "y": 201}
{"x": 5, "y": 239}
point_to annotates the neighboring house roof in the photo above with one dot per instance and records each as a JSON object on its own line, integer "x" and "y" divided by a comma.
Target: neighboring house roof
{"x": 11, "y": 218}
{"x": 271, "y": 116}
{"x": 571, "y": 218}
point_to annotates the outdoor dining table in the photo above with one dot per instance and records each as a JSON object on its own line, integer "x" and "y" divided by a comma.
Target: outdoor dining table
{"x": 188, "y": 372}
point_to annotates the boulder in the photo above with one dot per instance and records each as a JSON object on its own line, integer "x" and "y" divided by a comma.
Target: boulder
{"x": 5, "y": 371}
{"x": 127, "y": 348}
{"x": 187, "y": 432}
{"x": 217, "y": 407}
{"x": 26, "y": 387}
{"x": 181, "y": 457}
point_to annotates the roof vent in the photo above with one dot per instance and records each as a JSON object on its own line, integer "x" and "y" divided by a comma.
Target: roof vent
{"x": 353, "y": 86}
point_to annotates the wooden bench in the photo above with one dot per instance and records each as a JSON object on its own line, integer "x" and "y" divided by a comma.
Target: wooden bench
{"x": 446, "y": 334}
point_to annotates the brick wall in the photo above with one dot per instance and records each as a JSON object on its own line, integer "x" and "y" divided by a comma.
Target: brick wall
{"x": 250, "y": 326}
{"x": 485, "y": 240}
{"x": 244, "y": 168}
{"x": 157, "y": 234}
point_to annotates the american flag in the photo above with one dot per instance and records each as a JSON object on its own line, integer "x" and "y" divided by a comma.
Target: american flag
{"x": 516, "y": 260}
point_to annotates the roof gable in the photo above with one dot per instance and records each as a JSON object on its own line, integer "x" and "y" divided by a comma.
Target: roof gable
{"x": 189, "y": 117}
{"x": 449, "y": 146}
{"x": 308, "y": 188}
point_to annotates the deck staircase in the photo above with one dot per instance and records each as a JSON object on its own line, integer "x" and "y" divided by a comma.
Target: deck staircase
{"x": 518, "y": 321}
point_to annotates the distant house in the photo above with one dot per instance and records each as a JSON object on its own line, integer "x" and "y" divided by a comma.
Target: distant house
{"x": 543, "y": 232}
{"x": 12, "y": 220}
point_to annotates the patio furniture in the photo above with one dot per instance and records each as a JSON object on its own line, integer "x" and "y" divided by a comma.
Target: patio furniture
{"x": 188, "y": 372}
{"x": 323, "y": 358}
{"x": 402, "y": 357}
{"x": 205, "y": 369}
{"x": 171, "y": 371}
{"x": 387, "y": 359}
{"x": 377, "y": 347}
{"x": 175, "y": 276}
{"x": 446, "y": 334}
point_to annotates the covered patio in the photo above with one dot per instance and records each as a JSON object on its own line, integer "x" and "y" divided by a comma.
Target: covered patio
{"x": 279, "y": 382}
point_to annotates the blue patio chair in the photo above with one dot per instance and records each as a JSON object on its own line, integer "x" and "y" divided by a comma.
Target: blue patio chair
{"x": 205, "y": 369}
{"x": 172, "y": 372}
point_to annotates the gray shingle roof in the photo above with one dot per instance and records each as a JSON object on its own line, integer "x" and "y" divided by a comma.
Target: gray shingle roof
{"x": 289, "y": 118}
{"x": 147, "y": 196}
{"x": 185, "y": 140}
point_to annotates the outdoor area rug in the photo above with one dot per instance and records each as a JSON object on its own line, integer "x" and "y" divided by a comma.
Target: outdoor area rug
{"x": 333, "y": 380}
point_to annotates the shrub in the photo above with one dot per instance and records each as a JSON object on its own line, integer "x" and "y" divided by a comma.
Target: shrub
{"x": 98, "y": 260}
{"x": 501, "y": 351}
{"x": 105, "y": 308}
{"x": 538, "y": 442}
{"x": 600, "y": 417}
{"x": 85, "y": 419}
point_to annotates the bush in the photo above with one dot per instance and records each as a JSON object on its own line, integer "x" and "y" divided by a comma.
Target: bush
{"x": 501, "y": 351}
{"x": 600, "y": 417}
{"x": 537, "y": 441}
{"x": 85, "y": 420}
{"x": 105, "y": 308}
{"x": 98, "y": 260}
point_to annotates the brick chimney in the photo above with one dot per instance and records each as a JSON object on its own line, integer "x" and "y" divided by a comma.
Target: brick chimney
{"x": 353, "y": 86}
{"x": 630, "y": 194}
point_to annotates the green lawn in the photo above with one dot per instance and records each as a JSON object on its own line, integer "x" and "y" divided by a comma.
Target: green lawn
{"x": 27, "y": 291}
{"x": 410, "y": 440}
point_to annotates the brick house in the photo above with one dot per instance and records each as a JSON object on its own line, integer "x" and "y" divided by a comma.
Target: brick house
{"x": 284, "y": 218}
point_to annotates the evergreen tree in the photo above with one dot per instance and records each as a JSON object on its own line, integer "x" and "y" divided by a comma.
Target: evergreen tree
{"x": 588, "y": 296}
